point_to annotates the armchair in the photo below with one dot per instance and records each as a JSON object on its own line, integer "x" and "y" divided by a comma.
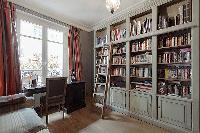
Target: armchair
{"x": 55, "y": 94}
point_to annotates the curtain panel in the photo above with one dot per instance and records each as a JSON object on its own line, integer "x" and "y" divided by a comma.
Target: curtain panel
{"x": 10, "y": 78}
{"x": 74, "y": 52}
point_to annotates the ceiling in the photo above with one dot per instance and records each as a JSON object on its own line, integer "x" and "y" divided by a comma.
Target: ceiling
{"x": 81, "y": 13}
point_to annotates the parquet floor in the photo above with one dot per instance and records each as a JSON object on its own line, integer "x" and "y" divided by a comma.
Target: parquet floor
{"x": 87, "y": 120}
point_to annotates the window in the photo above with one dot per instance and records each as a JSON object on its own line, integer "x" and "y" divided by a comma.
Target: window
{"x": 42, "y": 50}
{"x": 55, "y": 52}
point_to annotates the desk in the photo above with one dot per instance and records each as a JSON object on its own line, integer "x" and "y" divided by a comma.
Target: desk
{"x": 29, "y": 91}
{"x": 75, "y": 95}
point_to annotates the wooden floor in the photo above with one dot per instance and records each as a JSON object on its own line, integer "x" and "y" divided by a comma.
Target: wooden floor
{"x": 87, "y": 120}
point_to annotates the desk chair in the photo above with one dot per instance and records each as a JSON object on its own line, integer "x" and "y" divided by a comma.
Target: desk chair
{"x": 55, "y": 94}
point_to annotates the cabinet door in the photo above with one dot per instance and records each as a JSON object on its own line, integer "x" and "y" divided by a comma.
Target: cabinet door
{"x": 175, "y": 112}
{"x": 118, "y": 98}
{"x": 140, "y": 103}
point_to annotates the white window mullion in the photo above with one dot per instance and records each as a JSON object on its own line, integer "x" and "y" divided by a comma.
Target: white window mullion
{"x": 65, "y": 54}
{"x": 44, "y": 54}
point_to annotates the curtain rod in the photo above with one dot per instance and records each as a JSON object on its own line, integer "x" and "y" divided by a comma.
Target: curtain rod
{"x": 37, "y": 14}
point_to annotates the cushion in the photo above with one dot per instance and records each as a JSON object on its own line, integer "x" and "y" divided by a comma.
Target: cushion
{"x": 21, "y": 121}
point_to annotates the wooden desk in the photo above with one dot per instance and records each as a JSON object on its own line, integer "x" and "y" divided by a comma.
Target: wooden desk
{"x": 29, "y": 91}
{"x": 75, "y": 96}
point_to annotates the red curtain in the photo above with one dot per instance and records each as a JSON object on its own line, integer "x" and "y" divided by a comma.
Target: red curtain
{"x": 74, "y": 51}
{"x": 9, "y": 60}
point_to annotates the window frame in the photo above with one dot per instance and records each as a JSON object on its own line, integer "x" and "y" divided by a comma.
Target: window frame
{"x": 45, "y": 25}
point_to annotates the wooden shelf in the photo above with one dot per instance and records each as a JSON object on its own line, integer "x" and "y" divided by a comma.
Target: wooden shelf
{"x": 117, "y": 76}
{"x": 145, "y": 35}
{"x": 141, "y": 92}
{"x": 102, "y": 74}
{"x": 118, "y": 41}
{"x": 175, "y": 98}
{"x": 140, "y": 51}
{"x": 137, "y": 64}
{"x": 118, "y": 64}
{"x": 179, "y": 80}
{"x": 175, "y": 63}
{"x": 102, "y": 55}
{"x": 102, "y": 65}
{"x": 175, "y": 28}
{"x": 101, "y": 46}
{"x": 175, "y": 47}
{"x": 141, "y": 77}
{"x": 101, "y": 83}
{"x": 118, "y": 54}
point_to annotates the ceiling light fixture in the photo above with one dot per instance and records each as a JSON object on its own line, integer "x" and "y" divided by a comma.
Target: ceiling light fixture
{"x": 112, "y": 5}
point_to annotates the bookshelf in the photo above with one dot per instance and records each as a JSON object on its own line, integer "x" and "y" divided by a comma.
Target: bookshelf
{"x": 154, "y": 64}
{"x": 101, "y": 51}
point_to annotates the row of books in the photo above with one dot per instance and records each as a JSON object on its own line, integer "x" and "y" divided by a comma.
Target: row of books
{"x": 175, "y": 73}
{"x": 174, "y": 89}
{"x": 119, "y": 60}
{"x": 117, "y": 34}
{"x": 184, "y": 15}
{"x": 176, "y": 39}
{"x": 102, "y": 40}
{"x": 143, "y": 58}
{"x": 142, "y": 72}
{"x": 139, "y": 27}
{"x": 102, "y": 60}
{"x": 143, "y": 86}
{"x": 119, "y": 50}
{"x": 183, "y": 55}
{"x": 141, "y": 45}
{"x": 119, "y": 71}
{"x": 102, "y": 51}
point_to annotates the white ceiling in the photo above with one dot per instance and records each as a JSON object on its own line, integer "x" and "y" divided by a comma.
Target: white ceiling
{"x": 81, "y": 13}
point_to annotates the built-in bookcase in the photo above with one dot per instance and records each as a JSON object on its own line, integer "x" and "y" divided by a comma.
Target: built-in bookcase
{"x": 118, "y": 65}
{"x": 141, "y": 65}
{"x": 154, "y": 64}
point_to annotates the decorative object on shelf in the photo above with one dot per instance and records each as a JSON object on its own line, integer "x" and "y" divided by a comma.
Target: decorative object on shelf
{"x": 102, "y": 40}
{"x": 184, "y": 15}
{"x": 112, "y": 5}
{"x": 117, "y": 34}
{"x": 138, "y": 27}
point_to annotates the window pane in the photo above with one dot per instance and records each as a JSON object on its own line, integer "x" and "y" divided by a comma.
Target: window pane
{"x": 30, "y": 29}
{"x": 55, "y": 36}
{"x": 30, "y": 59}
{"x": 55, "y": 59}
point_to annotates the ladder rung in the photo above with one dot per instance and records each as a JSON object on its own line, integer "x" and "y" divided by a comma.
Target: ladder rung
{"x": 99, "y": 94}
{"x": 99, "y": 105}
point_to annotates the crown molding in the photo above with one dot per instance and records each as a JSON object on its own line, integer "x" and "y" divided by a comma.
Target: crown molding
{"x": 141, "y": 7}
{"x": 55, "y": 16}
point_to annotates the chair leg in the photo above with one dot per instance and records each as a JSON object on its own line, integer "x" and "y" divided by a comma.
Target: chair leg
{"x": 46, "y": 118}
{"x": 63, "y": 109}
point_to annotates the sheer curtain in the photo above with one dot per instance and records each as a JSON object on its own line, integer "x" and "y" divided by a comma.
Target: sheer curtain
{"x": 74, "y": 52}
{"x": 10, "y": 79}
